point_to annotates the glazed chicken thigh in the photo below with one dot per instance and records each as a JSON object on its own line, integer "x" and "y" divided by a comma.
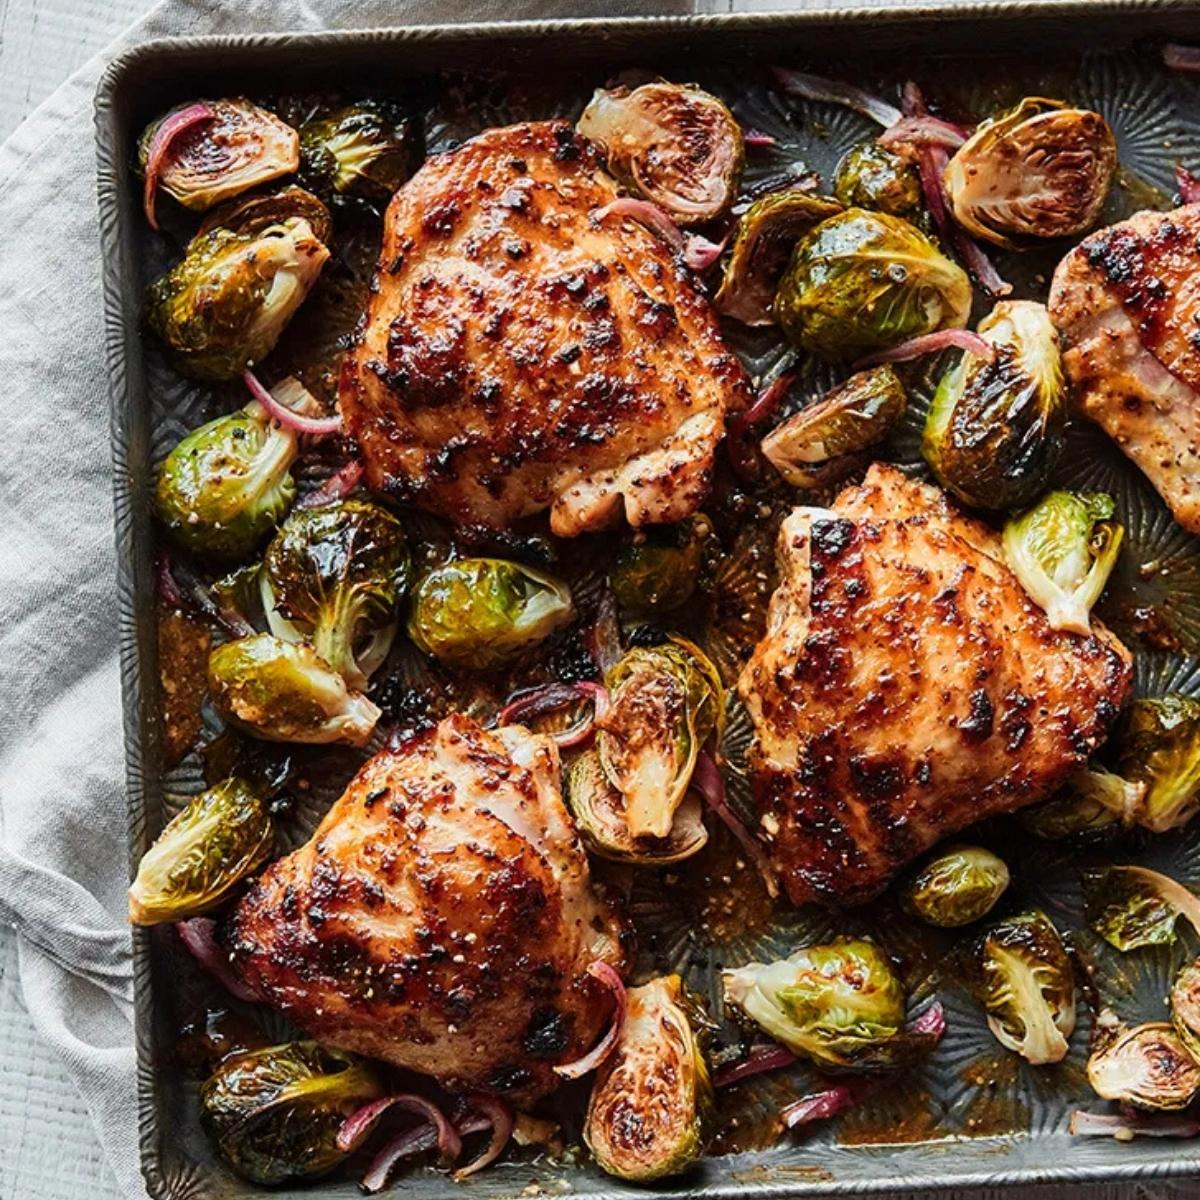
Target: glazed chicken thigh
{"x": 907, "y": 687}
{"x": 520, "y": 352}
{"x": 1127, "y": 302}
{"x": 442, "y": 916}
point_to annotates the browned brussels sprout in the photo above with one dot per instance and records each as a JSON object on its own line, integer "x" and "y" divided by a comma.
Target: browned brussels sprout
{"x": 872, "y": 176}
{"x": 678, "y": 146}
{"x": 863, "y": 281}
{"x": 252, "y": 214}
{"x": 657, "y": 570}
{"x": 274, "y": 1113}
{"x": 994, "y": 429}
{"x": 652, "y": 1101}
{"x": 957, "y": 886}
{"x": 1160, "y": 747}
{"x": 223, "y": 307}
{"x": 823, "y": 442}
{"x": 362, "y": 151}
{"x": 1041, "y": 170}
{"x": 1130, "y": 907}
{"x": 221, "y": 837}
{"x": 1147, "y": 1066}
{"x": 766, "y": 233}
{"x": 1093, "y": 799}
{"x": 1185, "y": 1007}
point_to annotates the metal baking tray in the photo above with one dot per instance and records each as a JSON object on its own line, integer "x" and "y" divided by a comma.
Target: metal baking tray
{"x": 973, "y": 1115}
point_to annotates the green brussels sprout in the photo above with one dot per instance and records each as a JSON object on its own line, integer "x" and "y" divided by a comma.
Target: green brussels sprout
{"x": 484, "y": 612}
{"x": 225, "y": 304}
{"x": 1063, "y": 551}
{"x": 657, "y": 570}
{"x": 1093, "y": 799}
{"x": 824, "y": 441}
{"x": 334, "y": 576}
{"x": 1159, "y": 742}
{"x": 1185, "y": 1007}
{"x": 274, "y": 1113}
{"x": 666, "y": 701}
{"x": 840, "y": 1005}
{"x": 678, "y": 146}
{"x": 205, "y": 851}
{"x": 1040, "y": 170}
{"x": 1021, "y": 975}
{"x": 226, "y": 485}
{"x": 364, "y": 150}
{"x": 599, "y": 811}
{"x": 762, "y": 244}
{"x": 1148, "y": 1066}
{"x": 285, "y": 692}
{"x": 957, "y": 886}
{"x": 863, "y": 281}
{"x": 872, "y": 176}
{"x": 651, "y": 1102}
{"x": 994, "y": 429}
{"x": 234, "y": 147}
{"x": 1130, "y": 907}
{"x": 250, "y": 215}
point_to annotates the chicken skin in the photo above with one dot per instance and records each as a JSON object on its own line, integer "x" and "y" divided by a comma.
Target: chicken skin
{"x": 1127, "y": 303}
{"x": 907, "y": 687}
{"x": 442, "y": 917}
{"x": 521, "y": 352}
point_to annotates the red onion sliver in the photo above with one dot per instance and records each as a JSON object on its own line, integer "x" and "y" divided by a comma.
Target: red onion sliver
{"x": 820, "y": 1106}
{"x": 604, "y": 637}
{"x": 699, "y": 253}
{"x": 766, "y": 404}
{"x": 645, "y": 213}
{"x": 1125, "y": 1127}
{"x": 198, "y": 936}
{"x": 1188, "y": 185}
{"x": 318, "y": 426}
{"x": 912, "y": 101}
{"x": 341, "y": 483}
{"x": 814, "y": 87}
{"x": 707, "y": 780}
{"x": 978, "y": 263}
{"x": 607, "y": 975}
{"x": 357, "y": 1127}
{"x": 916, "y": 131}
{"x": 403, "y": 1145}
{"x": 757, "y": 138}
{"x": 168, "y": 589}
{"x": 197, "y": 596}
{"x": 766, "y": 1056}
{"x": 930, "y": 1023}
{"x": 1181, "y": 58}
{"x": 500, "y": 1118}
{"x": 931, "y": 343}
{"x": 537, "y": 702}
{"x": 164, "y": 137}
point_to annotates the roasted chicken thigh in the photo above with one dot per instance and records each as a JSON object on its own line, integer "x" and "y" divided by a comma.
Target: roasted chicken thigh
{"x": 1127, "y": 302}
{"x": 442, "y": 916}
{"x": 907, "y": 687}
{"x": 521, "y": 350}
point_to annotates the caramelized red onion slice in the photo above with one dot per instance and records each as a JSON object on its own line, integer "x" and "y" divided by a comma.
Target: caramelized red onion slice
{"x": 499, "y": 1116}
{"x": 820, "y": 1106}
{"x": 604, "y": 637}
{"x": 815, "y": 87}
{"x": 930, "y": 1023}
{"x": 931, "y": 343}
{"x": 170, "y": 128}
{"x": 412, "y": 1141}
{"x": 645, "y": 213}
{"x": 199, "y": 937}
{"x": 758, "y": 139}
{"x": 923, "y": 131}
{"x": 317, "y": 426}
{"x": 1126, "y": 1126}
{"x": 707, "y": 780}
{"x": 699, "y": 253}
{"x": 196, "y": 595}
{"x": 607, "y": 975}
{"x": 538, "y": 702}
{"x": 1188, "y": 185}
{"x": 357, "y": 1127}
{"x": 763, "y": 1057}
{"x": 766, "y": 404}
{"x": 1181, "y": 58}
{"x": 168, "y": 589}
{"x": 341, "y": 483}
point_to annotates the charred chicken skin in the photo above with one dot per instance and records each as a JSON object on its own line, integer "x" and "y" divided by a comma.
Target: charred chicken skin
{"x": 907, "y": 687}
{"x": 1127, "y": 302}
{"x": 442, "y": 917}
{"x": 523, "y": 351}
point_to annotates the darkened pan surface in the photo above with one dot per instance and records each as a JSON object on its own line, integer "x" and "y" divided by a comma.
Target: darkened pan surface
{"x": 973, "y": 1115}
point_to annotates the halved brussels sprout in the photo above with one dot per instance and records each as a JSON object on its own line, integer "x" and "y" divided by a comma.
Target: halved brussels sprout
{"x": 274, "y": 1113}
{"x": 1022, "y": 976}
{"x": 1063, "y": 551}
{"x": 252, "y": 214}
{"x": 334, "y": 576}
{"x": 226, "y": 485}
{"x": 1092, "y": 799}
{"x": 222, "y": 836}
{"x": 225, "y": 304}
{"x": 657, "y": 570}
{"x": 863, "y": 281}
{"x": 652, "y": 1101}
{"x": 1148, "y": 1066}
{"x": 666, "y": 701}
{"x": 1041, "y": 170}
{"x": 824, "y": 441}
{"x": 1159, "y": 744}
{"x": 957, "y": 886}
{"x": 766, "y": 233}
{"x": 994, "y": 429}
{"x": 237, "y": 147}
{"x": 484, "y": 612}
{"x": 872, "y": 176}
{"x": 1130, "y": 907}
{"x": 366, "y": 149}
{"x": 678, "y": 146}
{"x": 1185, "y": 1007}
{"x": 840, "y": 1005}
{"x": 285, "y": 692}
{"x": 600, "y": 815}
